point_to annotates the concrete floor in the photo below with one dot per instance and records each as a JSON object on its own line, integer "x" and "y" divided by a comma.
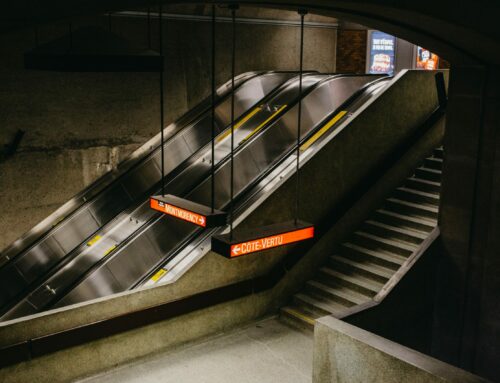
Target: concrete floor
{"x": 265, "y": 351}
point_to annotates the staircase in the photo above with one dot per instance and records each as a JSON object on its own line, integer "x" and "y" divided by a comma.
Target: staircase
{"x": 365, "y": 266}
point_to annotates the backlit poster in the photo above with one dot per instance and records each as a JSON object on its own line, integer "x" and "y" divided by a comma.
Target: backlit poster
{"x": 382, "y": 53}
{"x": 426, "y": 59}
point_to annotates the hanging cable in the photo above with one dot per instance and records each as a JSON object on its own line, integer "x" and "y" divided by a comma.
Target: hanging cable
{"x": 70, "y": 27}
{"x": 162, "y": 117}
{"x": 233, "y": 8}
{"x": 36, "y": 35}
{"x": 302, "y": 13}
{"x": 149, "y": 28}
{"x": 213, "y": 108}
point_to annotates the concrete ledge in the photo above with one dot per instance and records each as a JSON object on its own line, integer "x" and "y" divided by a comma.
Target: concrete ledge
{"x": 345, "y": 353}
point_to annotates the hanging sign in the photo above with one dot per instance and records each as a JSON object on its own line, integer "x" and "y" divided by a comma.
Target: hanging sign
{"x": 265, "y": 238}
{"x": 189, "y": 211}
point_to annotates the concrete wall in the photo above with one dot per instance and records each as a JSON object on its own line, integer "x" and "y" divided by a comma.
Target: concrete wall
{"x": 344, "y": 353}
{"x": 80, "y": 125}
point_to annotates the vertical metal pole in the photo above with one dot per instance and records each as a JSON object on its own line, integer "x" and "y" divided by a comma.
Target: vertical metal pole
{"x": 302, "y": 13}
{"x": 213, "y": 108}
{"x": 162, "y": 116}
{"x": 233, "y": 8}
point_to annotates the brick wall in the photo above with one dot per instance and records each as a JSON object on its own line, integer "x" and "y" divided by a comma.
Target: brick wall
{"x": 351, "y": 51}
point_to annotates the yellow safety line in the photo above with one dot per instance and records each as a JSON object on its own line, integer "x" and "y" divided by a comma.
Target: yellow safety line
{"x": 109, "y": 250}
{"x": 239, "y": 124}
{"x": 264, "y": 123}
{"x": 305, "y": 318}
{"x": 93, "y": 240}
{"x": 323, "y": 130}
{"x": 160, "y": 273}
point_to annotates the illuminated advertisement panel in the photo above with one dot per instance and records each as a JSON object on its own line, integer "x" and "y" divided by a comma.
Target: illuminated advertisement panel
{"x": 426, "y": 59}
{"x": 382, "y": 56}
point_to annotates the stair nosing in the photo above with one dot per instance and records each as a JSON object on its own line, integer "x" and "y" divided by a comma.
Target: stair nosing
{"x": 422, "y": 180}
{"x": 385, "y": 273}
{"x": 389, "y": 242}
{"x": 324, "y": 306}
{"x": 419, "y": 192}
{"x": 428, "y": 208}
{"x": 420, "y": 220}
{"x": 426, "y": 169}
{"x": 365, "y": 282}
{"x": 409, "y": 232}
{"x": 396, "y": 259}
{"x": 353, "y": 296}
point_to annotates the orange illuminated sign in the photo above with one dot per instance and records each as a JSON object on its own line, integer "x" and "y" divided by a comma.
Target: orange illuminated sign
{"x": 271, "y": 241}
{"x": 178, "y": 212}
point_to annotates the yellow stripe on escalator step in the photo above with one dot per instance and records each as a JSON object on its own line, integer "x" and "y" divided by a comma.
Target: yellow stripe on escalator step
{"x": 240, "y": 123}
{"x": 269, "y": 119}
{"x": 323, "y": 130}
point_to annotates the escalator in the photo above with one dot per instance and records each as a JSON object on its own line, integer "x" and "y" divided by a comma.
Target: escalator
{"x": 49, "y": 245}
{"x": 135, "y": 243}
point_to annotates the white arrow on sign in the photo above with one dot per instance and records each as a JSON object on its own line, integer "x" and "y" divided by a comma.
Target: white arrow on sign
{"x": 202, "y": 221}
{"x": 236, "y": 250}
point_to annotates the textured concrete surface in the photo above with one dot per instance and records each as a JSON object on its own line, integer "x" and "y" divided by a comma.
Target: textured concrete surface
{"x": 344, "y": 353}
{"x": 467, "y": 326}
{"x": 266, "y": 351}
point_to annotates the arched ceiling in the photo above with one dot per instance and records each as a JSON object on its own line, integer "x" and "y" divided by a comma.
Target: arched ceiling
{"x": 459, "y": 30}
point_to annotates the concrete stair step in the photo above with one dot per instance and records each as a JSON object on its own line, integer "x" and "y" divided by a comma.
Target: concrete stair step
{"x": 363, "y": 267}
{"x": 329, "y": 307}
{"x": 434, "y": 163}
{"x": 439, "y": 152}
{"x": 297, "y": 318}
{"x": 417, "y": 196}
{"x": 360, "y": 253}
{"x": 359, "y": 283}
{"x": 405, "y": 221}
{"x": 428, "y": 174}
{"x": 377, "y": 243}
{"x": 415, "y": 209}
{"x": 423, "y": 185}
{"x": 393, "y": 232}
{"x": 339, "y": 293}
